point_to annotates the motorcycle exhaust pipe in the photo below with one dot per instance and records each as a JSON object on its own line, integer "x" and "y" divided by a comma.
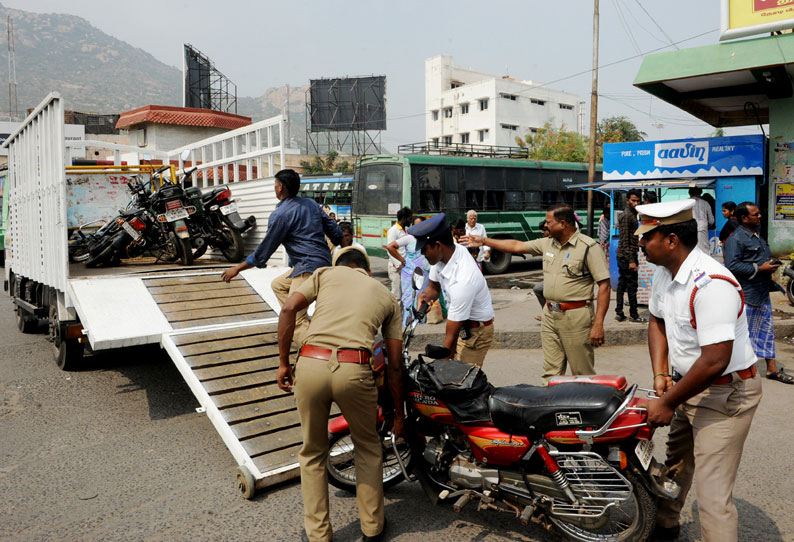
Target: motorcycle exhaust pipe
{"x": 198, "y": 242}
{"x": 250, "y": 222}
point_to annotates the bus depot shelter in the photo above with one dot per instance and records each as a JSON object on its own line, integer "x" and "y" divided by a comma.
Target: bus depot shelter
{"x": 730, "y": 168}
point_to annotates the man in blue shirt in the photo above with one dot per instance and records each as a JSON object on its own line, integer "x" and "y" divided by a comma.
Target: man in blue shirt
{"x": 747, "y": 256}
{"x": 300, "y": 224}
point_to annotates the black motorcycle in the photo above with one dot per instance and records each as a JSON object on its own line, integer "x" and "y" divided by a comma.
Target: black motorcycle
{"x": 169, "y": 205}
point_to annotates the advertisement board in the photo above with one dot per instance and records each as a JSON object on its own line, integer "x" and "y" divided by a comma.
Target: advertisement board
{"x": 740, "y": 18}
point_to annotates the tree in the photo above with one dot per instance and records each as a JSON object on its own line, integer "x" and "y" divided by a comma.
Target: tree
{"x": 718, "y": 132}
{"x": 321, "y": 166}
{"x": 559, "y": 145}
{"x": 618, "y": 130}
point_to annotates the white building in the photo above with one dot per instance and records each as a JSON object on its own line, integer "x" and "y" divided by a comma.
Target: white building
{"x": 465, "y": 106}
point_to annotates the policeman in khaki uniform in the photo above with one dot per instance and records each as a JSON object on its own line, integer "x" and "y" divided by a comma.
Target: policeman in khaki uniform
{"x": 572, "y": 264}
{"x": 334, "y": 366}
{"x": 469, "y": 331}
{"x": 697, "y": 331}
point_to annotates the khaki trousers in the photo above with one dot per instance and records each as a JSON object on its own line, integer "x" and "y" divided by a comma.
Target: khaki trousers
{"x": 706, "y": 439}
{"x": 395, "y": 276}
{"x": 283, "y": 287}
{"x": 351, "y": 386}
{"x": 473, "y": 350}
{"x": 565, "y": 337}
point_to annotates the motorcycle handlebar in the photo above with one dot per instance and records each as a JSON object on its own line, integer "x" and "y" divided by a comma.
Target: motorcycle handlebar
{"x": 422, "y": 310}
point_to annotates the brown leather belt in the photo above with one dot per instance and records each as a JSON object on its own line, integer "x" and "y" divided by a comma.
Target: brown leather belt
{"x": 361, "y": 357}
{"x": 744, "y": 374}
{"x": 563, "y": 306}
{"x": 473, "y": 324}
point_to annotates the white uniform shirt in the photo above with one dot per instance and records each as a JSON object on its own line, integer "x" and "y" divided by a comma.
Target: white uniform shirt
{"x": 717, "y": 304}
{"x": 356, "y": 244}
{"x": 394, "y": 233}
{"x": 462, "y": 281}
{"x": 478, "y": 229}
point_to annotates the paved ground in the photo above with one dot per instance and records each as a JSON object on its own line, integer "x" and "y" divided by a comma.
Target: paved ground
{"x": 118, "y": 452}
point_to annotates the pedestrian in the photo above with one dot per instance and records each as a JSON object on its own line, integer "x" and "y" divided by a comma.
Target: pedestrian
{"x": 703, "y": 216}
{"x": 333, "y": 366}
{"x": 333, "y": 216}
{"x": 604, "y": 226}
{"x": 458, "y": 229}
{"x": 300, "y": 224}
{"x": 395, "y": 267}
{"x": 347, "y": 238}
{"x": 730, "y": 226}
{"x": 475, "y": 228}
{"x": 649, "y": 197}
{"x": 538, "y": 288}
{"x": 748, "y": 257}
{"x": 413, "y": 259}
{"x": 470, "y": 330}
{"x": 572, "y": 264}
{"x": 698, "y": 336}
{"x": 628, "y": 259}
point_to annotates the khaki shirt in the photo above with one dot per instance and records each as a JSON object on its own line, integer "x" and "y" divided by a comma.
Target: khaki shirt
{"x": 351, "y": 308}
{"x": 562, "y": 267}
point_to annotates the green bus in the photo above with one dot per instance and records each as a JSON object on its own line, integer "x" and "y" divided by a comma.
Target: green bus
{"x": 510, "y": 196}
{"x": 333, "y": 192}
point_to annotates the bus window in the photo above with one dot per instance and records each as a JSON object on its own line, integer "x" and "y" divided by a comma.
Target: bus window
{"x": 513, "y": 201}
{"x": 495, "y": 200}
{"x": 552, "y": 197}
{"x": 475, "y": 199}
{"x": 429, "y": 200}
{"x": 532, "y": 200}
{"x": 451, "y": 202}
{"x": 427, "y": 180}
{"x": 379, "y": 188}
{"x": 451, "y": 179}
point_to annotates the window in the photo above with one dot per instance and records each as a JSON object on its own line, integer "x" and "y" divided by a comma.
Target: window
{"x": 447, "y": 112}
{"x": 435, "y": 142}
{"x": 506, "y": 96}
{"x": 537, "y": 102}
{"x": 482, "y": 135}
{"x": 454, "y": 84}
{"x": 511, "y": 127}
{"x": 447, "y": 140}
{"x": 483, "y": 104}
{"x": 496, "y": 200}
{"x": 464, "y": 138}
{"x": 532, "y": 200}
{"x": 533, "y": 130}
{"x": 141, "y": 137}
{"x": 475, "y": 199}
{"x": 513, "y": 201}
{"x": 435, "y": 114}
{"x": 464, "y": 109}
{"x": 378, "y": 187}
{"x": 566, "y": 106}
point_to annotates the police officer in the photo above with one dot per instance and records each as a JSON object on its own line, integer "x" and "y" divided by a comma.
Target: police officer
{"x": 470, "y": 331}
{"x": 334, "y": 366}
{"x": 698, "y": 330}
{"x": 572, "y": 263}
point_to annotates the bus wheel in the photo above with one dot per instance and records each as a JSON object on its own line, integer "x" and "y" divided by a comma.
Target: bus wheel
{"x": 498, "y": 263}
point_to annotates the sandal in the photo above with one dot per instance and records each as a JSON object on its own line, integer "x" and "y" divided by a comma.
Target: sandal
{"x": 780, "y": 376}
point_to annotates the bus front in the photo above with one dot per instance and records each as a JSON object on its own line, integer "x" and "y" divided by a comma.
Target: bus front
{"x": 381, "y": 188}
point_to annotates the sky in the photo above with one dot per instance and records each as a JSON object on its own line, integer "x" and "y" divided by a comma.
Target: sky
{"x": 262, "y": 44}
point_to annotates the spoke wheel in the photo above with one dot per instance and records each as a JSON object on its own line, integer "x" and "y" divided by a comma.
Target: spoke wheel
{"x": 233, "y": 247}
{"x": 342, "y": 465}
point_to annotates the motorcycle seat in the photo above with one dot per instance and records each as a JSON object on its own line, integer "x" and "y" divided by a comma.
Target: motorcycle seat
{"x": 524, "y": 409}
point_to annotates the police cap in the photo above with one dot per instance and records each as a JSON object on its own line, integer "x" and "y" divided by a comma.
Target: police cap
{"x": 658, "y": 214}
{"x": 429, "y": 229}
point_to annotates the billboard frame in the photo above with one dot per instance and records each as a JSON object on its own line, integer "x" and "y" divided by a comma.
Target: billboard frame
{"x": 727, "y": 33}
{"x": 209, "y": 89}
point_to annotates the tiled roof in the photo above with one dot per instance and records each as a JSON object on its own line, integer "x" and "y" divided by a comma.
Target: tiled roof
{"x": 182, "y": 116}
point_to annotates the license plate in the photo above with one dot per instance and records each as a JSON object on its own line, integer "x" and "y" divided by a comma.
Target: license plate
{"x": 229, "y": 209}
{"x": 175, "y": 214}
{"x": 132, "y": 231}
{"x": 644, "y": 451}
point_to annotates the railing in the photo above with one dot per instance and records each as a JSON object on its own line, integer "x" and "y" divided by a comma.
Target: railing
{"x": 250, "y": 152}
{"x": 463, "y": 149}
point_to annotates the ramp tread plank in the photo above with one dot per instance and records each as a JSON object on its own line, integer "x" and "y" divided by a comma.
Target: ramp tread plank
{"x": 267, "y": 425}
{"x": 223, "y": 320}
{"x": 218, "y": 345}
{"x": 201, "y": 337}
{"x": 280, "y": 458}
{"x": 236, "y": 414}
{"x": 234, "y": 369}
{"x": 196, "y": 296}
{"x": 250, "y": 395}
{"x": 232, "y": 383}
{"x": 198, "y": 314}
{"x": 227, "y": 301}
{"x": 226, "y": 356}
{"x": 271, "y": 443}
{"x": 193, "y": 279}
{"x": 199, "y": 287}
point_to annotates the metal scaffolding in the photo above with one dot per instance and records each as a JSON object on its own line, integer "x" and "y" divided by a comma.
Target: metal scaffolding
{"x": 205, "y": 87}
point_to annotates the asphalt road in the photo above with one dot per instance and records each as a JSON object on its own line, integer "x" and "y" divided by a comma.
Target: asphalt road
{"x": 118, "y": 452}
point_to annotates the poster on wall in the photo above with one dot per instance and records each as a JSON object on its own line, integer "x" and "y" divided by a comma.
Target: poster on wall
{"x": 740, "y": 18}
{"x": 782, "y": 179}
{"x": 784, "y": 201}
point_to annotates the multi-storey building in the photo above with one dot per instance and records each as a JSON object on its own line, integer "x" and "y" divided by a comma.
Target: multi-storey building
{"x": 465, "y": 106}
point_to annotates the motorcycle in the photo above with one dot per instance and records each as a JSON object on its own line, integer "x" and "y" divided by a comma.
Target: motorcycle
{"x": 789, "y": 272}
{"x": 169, "y": 205}
{"x": 575, "y": 457}
{"x": 217, "y": 222}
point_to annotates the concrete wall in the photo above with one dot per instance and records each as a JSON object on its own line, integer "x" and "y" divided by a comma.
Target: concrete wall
{"x": 164, "y": 137}
{"x": 781, "y": 131}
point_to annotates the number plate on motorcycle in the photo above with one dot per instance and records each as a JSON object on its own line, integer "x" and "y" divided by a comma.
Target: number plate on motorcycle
{"x": 229, "y": 209}
{"x": 644, "y": 451}
{"x": 132, "y": 231}
{"x": 175, "y": 214}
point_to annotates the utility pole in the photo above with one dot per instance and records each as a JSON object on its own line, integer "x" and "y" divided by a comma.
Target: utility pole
{"x": 593, "y": 122}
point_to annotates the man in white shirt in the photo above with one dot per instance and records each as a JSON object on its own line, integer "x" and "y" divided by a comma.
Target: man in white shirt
{"x": 702, "y": 214}
{"x": 469, "y": 332}
{"x": 347, "y": 239}
{"x": 473, "y": 228}
{"x": 404, "y": 216}
{"x": 698, "y": 332}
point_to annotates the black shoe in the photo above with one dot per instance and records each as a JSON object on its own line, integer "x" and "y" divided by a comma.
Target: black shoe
{"x": 638, "y": 320}
{"x": 665, "y": 533}
{"x": 376, "y": 538}
{"x": 620, "y": 317}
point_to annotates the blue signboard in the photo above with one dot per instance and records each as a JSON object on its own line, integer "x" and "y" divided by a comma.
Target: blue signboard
{"x": 689, "y": 158}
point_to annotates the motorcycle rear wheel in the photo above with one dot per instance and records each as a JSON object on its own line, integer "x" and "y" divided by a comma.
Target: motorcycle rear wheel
{"x": 185, "y": 251}
{"x": 233, "y": 250}
{"x": 631, "y": 520}
{"x": 790, "y": 291}
{"x": 342, "y": 466}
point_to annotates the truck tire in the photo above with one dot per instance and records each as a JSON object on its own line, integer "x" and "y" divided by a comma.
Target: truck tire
{"x": 499, "y": 262}
{"x": 27, "y": 323}
{"x": 69, "y": 354}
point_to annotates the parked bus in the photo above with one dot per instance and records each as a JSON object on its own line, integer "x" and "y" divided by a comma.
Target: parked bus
{"x": 510, "y": 196}
{"x": 332, "y": 192}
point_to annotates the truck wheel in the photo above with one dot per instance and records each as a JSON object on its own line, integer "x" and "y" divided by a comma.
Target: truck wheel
{"x": 246, "y": 484}
{"x": 26, "y": 323}
{"x": 498, "y": 263}
{"x": 69, "y": 354}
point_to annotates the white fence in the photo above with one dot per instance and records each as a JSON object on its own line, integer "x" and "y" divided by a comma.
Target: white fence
{"x": 37, "y": 232}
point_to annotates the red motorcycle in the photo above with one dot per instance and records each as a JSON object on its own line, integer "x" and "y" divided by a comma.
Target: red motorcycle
{"x": 575, "y": 457}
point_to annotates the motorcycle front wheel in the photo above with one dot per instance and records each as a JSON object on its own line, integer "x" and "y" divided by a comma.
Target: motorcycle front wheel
{"x": 342, "y": 466}
{"x": 629, "y": 520}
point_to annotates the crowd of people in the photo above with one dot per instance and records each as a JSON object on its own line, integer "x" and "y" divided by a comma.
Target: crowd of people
{"x": 708, "y": 325}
